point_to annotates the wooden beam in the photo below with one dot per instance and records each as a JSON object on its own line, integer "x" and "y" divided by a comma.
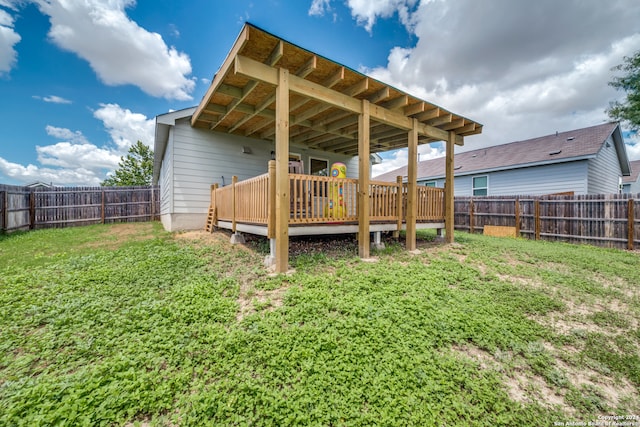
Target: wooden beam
{"x": 274, "y": 57}
{"x": 344, "y": 101}
{"x": 276, "y": 54}
{"x": 397, "y": 103}
{"x": 380, "y": 95}
{"x": 448, "y": 189}
{"x": 440, "y": 120}
{"x": 334, "y": 78}
{"x": 282, "y": 172}
{"x": 363, "y": 178}
{"x": 246, "y": 91}
{"x": 271, "y": 218}
{"x": 412, "y": 187}
{"x": 454, "y": 125}
{"x": 416, "y": 108}
{"x": 308, "y": 67}
{"x": 429, "y": 114}
{"x": 469, "y": 127}
{"x": 243, "y": 108}
{"x": 241, "y": 41}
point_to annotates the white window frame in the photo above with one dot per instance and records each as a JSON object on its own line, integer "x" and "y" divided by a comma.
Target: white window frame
{"x": 474, "y": 188}
{"x": 320, "y": 159}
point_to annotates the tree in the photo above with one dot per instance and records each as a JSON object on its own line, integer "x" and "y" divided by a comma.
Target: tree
{"x": 134, "y": 169}
{"x": 629, "y": 110}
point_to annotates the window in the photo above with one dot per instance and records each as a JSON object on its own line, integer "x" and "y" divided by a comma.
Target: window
{"x": 430, "y": 184}
{"x": 480, "y": 185}
{"x": 319, "y": 167}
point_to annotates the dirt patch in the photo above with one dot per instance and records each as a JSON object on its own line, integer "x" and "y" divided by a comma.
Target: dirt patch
{"x": 116, "y": 235}
{"x": 251, "y": 302}
{"x": 521, "y": 385}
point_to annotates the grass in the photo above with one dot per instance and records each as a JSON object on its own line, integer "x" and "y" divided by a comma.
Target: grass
{"x": 130, "y": 325}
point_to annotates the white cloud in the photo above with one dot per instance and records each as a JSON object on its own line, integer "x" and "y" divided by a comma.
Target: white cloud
{"x": 63, "y": 133}
{"x": 366, "y": 12}
{"x": 532, "y": 69}
{"x": 8, "y": 39}
{"x": 319, "y": 7}
{"x": 124, "y": 126}
{"x": 399, "y": 158}
{"x": 74, "y": 160}
{"x": 633, "y": 146}
{"x": 56, "y": 99}
{"x": 117, "y": 48}
{"x": 30, "y": 173}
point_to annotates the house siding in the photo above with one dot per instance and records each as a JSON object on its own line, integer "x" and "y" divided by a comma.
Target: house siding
{"x": 195, "y": 159}
{"x": 547, "y": 179}
{"x": 604, "y": 170}
{"x": 166, "y": 179}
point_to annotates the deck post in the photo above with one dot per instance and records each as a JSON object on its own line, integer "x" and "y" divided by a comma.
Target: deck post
{"x": 234, "y": 181}
{"x": 282, "y": 172}
{"x": 399, "y": 198}
{"x": 448, "y": 189}
{"x": 271, "y": 213}
{"x": 364, "y": 121}
{"x": 412, "y": 187}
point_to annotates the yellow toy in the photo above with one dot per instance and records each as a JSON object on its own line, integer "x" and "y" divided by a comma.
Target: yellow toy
{"x": 336, "y": 206}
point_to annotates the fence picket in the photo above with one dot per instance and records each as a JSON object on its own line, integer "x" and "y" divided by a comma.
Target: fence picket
{"x": 603, "y": 219}
{"x": 27, "y": 208}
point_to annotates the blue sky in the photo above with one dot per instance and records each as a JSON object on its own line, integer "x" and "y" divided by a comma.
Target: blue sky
{"x": 81, "y": 81}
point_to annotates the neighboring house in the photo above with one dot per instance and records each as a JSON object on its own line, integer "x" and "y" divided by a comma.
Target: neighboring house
{"x": 583, "y": 161}
{"x": 631, "y": 183}
{"x": 39, "y": 186}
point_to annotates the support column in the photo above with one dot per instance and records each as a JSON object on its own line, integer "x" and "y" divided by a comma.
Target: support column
{"x": 448, "y": 189}
{"x": 364, "y": 121}
{"x": 282, "y": 172}
{"x": 412, "y": 187}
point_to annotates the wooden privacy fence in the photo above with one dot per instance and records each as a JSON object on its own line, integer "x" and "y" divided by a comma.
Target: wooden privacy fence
{"x": 609, "y": 220}
{"x": 24, "y": 208}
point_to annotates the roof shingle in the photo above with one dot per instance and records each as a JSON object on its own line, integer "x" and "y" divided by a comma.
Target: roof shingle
{"x": 555, "y": 148}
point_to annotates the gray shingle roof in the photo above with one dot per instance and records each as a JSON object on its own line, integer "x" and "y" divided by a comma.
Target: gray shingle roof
{"x": 635, "y": 172}
{"x": 555, "y": 148}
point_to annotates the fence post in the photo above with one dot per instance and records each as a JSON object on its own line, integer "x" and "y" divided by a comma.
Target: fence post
{"x": 234, "y": 181}
{"x": 517, "y": 215}
{"x": 630, "y": 224}
{"x": 153, "y": 202}
{"x": 536, "y": 204}
{"x": 4, "y": 202}
{"x": 271, "y": 216}
{"x": 396, "y": 233}
{"x": 471, "y": 216}
{"x": 32, "y": 209}
{"x": 102, "y": 206}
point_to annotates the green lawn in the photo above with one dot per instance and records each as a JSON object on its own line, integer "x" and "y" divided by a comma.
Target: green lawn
{"x": 130, "y": 325}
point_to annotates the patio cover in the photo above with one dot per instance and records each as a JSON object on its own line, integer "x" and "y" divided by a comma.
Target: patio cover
{"x": 273, "y": 90}
{"x": 324, "y": 103}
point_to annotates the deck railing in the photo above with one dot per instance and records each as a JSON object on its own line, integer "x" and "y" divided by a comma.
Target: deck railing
{"x": 321, "y": 199}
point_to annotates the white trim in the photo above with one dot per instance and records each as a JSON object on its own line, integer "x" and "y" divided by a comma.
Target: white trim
{"x": 474, "y": 188}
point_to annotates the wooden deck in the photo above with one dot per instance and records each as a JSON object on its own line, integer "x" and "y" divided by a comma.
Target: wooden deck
{"x": 322, "y": 205}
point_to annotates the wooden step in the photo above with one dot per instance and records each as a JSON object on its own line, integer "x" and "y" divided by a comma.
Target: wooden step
{"x": 211, "y": 220}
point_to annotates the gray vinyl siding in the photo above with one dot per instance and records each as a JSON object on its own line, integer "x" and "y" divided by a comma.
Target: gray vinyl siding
{"x": 166, "y": 179}
{"x": 635, "y": 187}
{"x": 538, "y": 180}
{"x": 202, "y": 158}
{"x": 604, "y": 170}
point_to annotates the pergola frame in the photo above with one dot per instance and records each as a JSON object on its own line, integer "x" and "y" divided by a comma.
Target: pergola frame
{"x": 273, "y": 90}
